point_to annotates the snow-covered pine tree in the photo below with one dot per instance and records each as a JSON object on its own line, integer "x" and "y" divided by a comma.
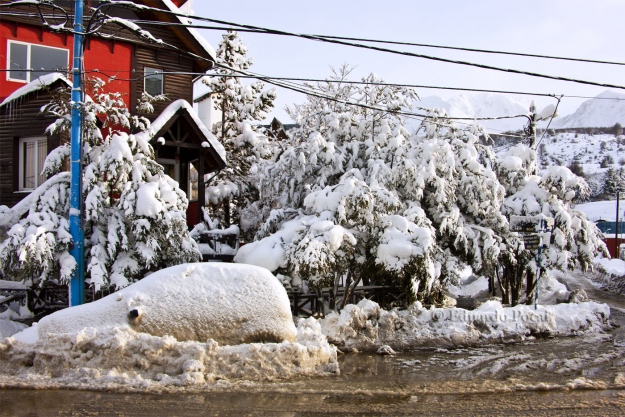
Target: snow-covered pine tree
{"x": 453, "y": 179}
{"x": 574, "y": 241}
{"x": 339, "y": 215}
{"x": 134, "y": 213}
{"x": 240, "y": 105}
{"x": 614, "y": 180}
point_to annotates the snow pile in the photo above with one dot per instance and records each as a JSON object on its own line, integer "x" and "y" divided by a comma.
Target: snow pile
{"x": 366, "y": 326}
{"x": 612, "y": 267}
{"x": 9, "y": 328}
{"x": 226, "y": 302}
{"x": 186, "y": 325}
{"x": 119, "y": 357}
{"x": 610, "y": 274}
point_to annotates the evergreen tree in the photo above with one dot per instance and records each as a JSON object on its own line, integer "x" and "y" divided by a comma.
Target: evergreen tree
{"x": 134, "y": 215}
{"x": 574, "y": 241}
{"x": 412, "y": 210}
{"x": 239, "y": 105}
{"x": 614, "y": 181}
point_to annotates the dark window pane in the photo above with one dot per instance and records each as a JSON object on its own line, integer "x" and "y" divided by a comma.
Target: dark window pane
{"x": 153, "y": 81}
{"x": 46, "y": 60}
{"x": 18, "y": 63}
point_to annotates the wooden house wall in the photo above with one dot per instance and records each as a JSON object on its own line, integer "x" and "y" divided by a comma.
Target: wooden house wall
{"x": 19, "y": 120}
{"x": 175, "y": 86}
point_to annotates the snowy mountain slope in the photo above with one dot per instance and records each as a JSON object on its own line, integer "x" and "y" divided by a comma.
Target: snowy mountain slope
{"x": 607, "y": 109}
{"x": 481, "y": 105}
{"x": 588, "y": 150}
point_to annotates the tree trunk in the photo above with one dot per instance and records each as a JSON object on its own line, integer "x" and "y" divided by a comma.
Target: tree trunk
{"x": 530, "y": 286}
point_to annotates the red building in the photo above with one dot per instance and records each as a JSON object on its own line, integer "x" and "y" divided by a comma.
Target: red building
{"x": 129, "y": 62}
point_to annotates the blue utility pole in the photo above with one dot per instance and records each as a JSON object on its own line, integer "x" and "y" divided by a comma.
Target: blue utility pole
{"x": 77, "y": 284}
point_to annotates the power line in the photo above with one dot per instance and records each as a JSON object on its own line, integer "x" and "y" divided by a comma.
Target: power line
{"x": 423, "y": 45}
{"x": 380, "y": 49}
{"x": 337, "y": 41}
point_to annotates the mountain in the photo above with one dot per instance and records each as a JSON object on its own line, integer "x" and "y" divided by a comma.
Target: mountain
{"x": 605, "y": 110}
{"x": 481, "y": 105}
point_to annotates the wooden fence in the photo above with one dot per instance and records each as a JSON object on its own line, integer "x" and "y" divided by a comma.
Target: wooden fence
{"x": 317, "y": 304}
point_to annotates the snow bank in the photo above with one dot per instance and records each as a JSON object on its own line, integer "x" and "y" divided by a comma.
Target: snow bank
{"x": 9, "y": 328}
{"x": 366, "y": 326}
{"x": 121, "y": 358}
{"x": 615, "y": 267}
{"x": 229, "y": 303}
{"x": 610, "y": 274}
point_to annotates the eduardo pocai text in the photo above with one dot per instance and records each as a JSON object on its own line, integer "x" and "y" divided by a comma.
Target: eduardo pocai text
{"x": 467, "y": 316}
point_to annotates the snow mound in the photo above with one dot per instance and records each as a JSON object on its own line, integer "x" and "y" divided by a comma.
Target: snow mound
{"x": 9, "y": 328}
{"x": 365, "y": 327}
{"x": 615, "y": 267}
{"x": 121, "y": 358}
{"x": 229, "y": 303}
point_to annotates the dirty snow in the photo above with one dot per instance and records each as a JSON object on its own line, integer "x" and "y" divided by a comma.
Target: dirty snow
{"x": 188, "y": 325}
{"x": 366, "y": 326}
{"x": 121, "y": 358}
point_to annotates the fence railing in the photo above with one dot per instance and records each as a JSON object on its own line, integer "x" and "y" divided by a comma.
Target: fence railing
{"x": 52, "y": 297}
{"x": 320, "y": 303}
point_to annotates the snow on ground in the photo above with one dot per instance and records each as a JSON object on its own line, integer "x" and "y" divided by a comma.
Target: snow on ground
{"x": 550, "y": 291}
{"x": 589, "y": 150}
{"x": 601, "y": 210}
{"x": 366, "y": 326}
{"x": 191, "y": 324}
{"x": 121, "y": 358}
{"x": 9, "y": 328}
{"x": 610, "y": 274}
{"x": 615, "y": 267}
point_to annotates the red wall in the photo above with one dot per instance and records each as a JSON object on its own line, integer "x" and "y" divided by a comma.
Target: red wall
{"x": 611, "y": 244}
{"x": 108, "y": 57}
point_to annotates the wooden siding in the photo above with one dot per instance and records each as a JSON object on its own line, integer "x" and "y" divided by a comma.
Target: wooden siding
{"x": 20, "y": 120}
{"x": 175, "y": 86}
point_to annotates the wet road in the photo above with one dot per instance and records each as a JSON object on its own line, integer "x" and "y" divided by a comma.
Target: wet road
{"x": 565, "y": 376}
{"x": 78, "y": 403}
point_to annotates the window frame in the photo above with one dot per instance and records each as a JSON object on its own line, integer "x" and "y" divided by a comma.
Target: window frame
{"x": 21, "y": 162}
{"x": 29, "y": 77}
{"x": 153, "y": 71}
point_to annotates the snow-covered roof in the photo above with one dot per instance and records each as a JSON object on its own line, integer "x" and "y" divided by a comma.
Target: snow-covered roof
{"x": 195, "y": 34}
{"x": 172, "y": 109}
{"x": 602, "y": 210}
{"x": 35, "y": 85}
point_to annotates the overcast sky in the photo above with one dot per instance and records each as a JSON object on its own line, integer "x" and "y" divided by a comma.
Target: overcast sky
{"x": 572, "y": 28}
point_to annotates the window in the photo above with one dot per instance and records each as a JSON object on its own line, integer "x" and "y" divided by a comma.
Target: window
{"x": 153, "y": 81}
{"x": 41, "y": 59}
{"x": 32, "y": 154}
{"x": 193, "y": 184}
